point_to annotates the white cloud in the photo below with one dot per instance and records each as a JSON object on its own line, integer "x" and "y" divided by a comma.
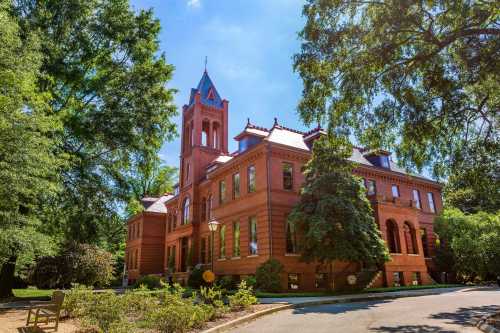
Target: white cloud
{"x": 194, "y": 3}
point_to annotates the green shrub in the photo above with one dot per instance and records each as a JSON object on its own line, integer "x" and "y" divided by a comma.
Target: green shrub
{"x": 213, "y": 297}
{"x": 195, "y": 279}
{"x": 77, "y": 299}
{"x": 178, "y": 314}
{"x": 251, "y": 281}
{"x": 149, "y": 281}
{"x": 226, "y": 282}
{"x": 243, "y": 298}
{"x": 268, "y": 275}
{"x": 78, "y": 263}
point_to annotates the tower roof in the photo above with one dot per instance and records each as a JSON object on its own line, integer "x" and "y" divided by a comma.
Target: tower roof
{"x": 208, "y": 92}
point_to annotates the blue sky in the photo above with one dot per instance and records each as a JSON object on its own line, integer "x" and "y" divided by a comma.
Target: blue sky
{"x": 249, "y": 44}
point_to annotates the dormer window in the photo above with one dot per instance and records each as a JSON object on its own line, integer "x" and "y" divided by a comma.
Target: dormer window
{"x": 384, "y": 161}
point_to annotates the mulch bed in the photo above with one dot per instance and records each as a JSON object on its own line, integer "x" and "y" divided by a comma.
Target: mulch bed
{"x": 494, "y": 321}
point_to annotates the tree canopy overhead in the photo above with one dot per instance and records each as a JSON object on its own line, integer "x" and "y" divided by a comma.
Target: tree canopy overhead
{"x": 108, "y": 86}
{"x": 422, "y": 77}
{"x": 28, "y": 165}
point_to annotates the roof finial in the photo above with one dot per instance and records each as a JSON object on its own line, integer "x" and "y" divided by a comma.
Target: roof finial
{"x": 275, "y": 121}
{"x": 248, "y": 121}
{"x": 206, "y": 60}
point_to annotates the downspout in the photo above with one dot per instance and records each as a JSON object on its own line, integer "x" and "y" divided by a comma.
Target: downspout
{"x": 270, "y": 219}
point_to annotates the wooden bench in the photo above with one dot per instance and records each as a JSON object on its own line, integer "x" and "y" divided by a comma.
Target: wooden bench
{"x": 45, "y": 311}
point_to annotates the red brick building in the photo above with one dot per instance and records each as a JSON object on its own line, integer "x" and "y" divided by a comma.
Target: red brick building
{"x": 251, "y": 191}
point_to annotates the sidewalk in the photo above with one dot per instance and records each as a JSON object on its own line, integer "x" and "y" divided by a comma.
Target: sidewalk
{"x": 358, "y": 297}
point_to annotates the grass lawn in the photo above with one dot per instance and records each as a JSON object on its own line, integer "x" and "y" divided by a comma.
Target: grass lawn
{"x": 372, "y": 290}
{"x": 29, "y": 293}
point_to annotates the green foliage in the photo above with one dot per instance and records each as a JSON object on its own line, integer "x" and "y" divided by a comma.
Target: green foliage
{"x": 28, "y": 165}
{"x": 251, "y": 281}
{"x": 225, "y": 282}
{"x": 171, "y": 264}
{"x": 268, "y": 275}
{"x": 243, "y": 298}
{"x": 149, "y": 281}
{"x": 149, "y": 178}
{"x": 418, "y": 76}
{"x": 79, "y": 263}
{"x": 334, "y": 218}
{"x": 195, "y": 279}
{"x": 107, "y": 83}
{"x": 178, "y": 314}
{"x": 470, "y": 244}
{"x": 213, "y": 296}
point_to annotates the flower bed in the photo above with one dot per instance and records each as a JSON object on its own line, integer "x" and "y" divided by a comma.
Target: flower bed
{"x": 164, "y": 311}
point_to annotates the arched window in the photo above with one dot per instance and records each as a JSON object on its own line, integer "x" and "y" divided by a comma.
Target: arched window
{"x": 393, "y": 237}
{"x": 215, "y": 135}
{"x": 185, "y": 211}
{"x": 205, "y": 128}
{"x": 410, "y": 238}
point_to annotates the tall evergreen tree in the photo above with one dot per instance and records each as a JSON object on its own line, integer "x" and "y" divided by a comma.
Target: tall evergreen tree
{"x": 108, "y": 86}
{"x": 334, "y": 218}
{"x": 28, "y": 167}
{"x": 422, "y": 77}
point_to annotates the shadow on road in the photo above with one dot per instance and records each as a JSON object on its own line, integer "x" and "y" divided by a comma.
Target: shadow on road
{"x": 412, "y": 329}
{"x": 466, "y": 316}
{"x": 339, "y": 308}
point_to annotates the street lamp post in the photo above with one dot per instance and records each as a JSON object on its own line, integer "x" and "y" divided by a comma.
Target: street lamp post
{"x": 212, "y": 226}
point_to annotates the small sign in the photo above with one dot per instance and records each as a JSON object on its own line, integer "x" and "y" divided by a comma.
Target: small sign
{"x": 208, "y": 276}
{"x": 351, "y": 279}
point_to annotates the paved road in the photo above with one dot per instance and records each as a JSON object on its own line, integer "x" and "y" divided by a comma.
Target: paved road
{"x": 448, "y": 312}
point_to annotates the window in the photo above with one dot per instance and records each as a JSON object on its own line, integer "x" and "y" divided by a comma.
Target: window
{"x": 291, "y": 237}
{"x": 320, "y": 280}
{"x": 188, "y": 171}
{"x": 209, "y": 207}
{"x": 203, "y": 250}
{"x": 252, "y": 244}
{"x": 393, "y": 237}
{"x": 395, "y": 191}
{"x": 410, "y": 238}
{"x": 174, "y": 222}
{"x": 136, "y": 265}
{"x": 209, "y": 243}
{"x": 222, "y": 242}
{"x": 287, "y": 176}
{"x": 430, "y": 198}
{"x": 222, "y": 191}
{"x": 236, "y": 239}
{"x": 293, "y": 281}
{"x": 185, "y": 211}
{"x": 203, "y": 209}
{"x": 416, "y": 199}
{"x": 397, "y": 279}
{"x": 425, "y": 242}
{"x": 236, "y": 185}
{"x": 415, "y": 278}
{"x": 251, "y": 179}
{"x": 371, "y": 187}
{"x": 384, "y": 161}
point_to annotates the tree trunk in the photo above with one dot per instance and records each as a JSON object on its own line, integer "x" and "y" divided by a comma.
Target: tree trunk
{"x": 7, "y": 277}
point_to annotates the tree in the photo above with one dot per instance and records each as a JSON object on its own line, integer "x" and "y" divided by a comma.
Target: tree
{"x": 27, "y": 163}
{"x": 470, "y": 244}
{"x": 108, "y": 86}
{"x": 421, "y": 76}
{"x": 334, "y": 218}
{"x": 149, "y": 177}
